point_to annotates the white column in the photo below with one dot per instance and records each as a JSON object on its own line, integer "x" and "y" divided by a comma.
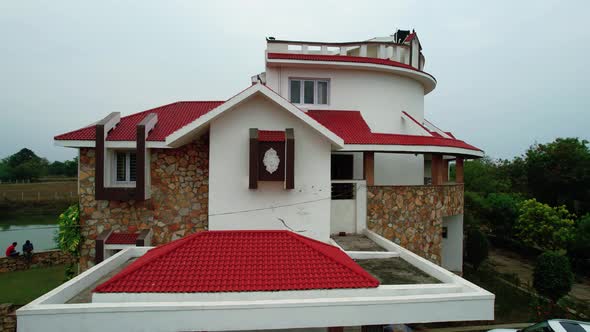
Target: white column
{"x": 382, "y": 54}
{"x": 324, "y": 49}
{"x": 363, "y": 50}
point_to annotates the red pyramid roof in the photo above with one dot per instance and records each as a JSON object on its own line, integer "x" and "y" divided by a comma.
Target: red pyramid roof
{"x": 240, "y": 261}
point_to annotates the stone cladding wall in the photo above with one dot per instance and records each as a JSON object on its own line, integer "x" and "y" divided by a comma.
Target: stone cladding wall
{"x": 411, "y": 216}
{"x": 7, "y": 317}
{"x": 178, "y": 205}
{"x": 40, "y": 259}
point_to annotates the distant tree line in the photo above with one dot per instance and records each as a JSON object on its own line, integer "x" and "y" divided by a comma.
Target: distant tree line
{"x": 26, "y": 165}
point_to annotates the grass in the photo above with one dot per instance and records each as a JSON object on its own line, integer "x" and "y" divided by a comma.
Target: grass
{"x": 21, "y": 287}
{"x": 39, "y": 191}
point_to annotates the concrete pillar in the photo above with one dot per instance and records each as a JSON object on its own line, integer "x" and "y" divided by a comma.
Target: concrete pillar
{"x": 369, "y": 167}
{"x": 459, "y": 170}
{"x": 343, "y": 50}
{"x": 437, "y": 169}
{"x": 445, "y": 171}
{"x": 324, "y": 49}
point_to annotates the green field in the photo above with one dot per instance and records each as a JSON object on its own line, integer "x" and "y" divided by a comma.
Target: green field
{"x": 39, "y": 191}
{"x": 21, "y": 287}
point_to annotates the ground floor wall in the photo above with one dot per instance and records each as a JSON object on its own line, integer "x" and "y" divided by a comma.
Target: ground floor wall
{"x": 452, "y": 243}
{"x": 412, "y": 216}
{"x": 177, "y": 207}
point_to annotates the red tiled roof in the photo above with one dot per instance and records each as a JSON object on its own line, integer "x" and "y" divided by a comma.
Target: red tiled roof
{"x": 240, "y": 261}
{"x": 271, "y": 136}
{"x": 171, "y": 117}
{"x": 122, "y": 238}
{"x": 343, "y": 58}
{"x": 353, "y": 129}
{"x": 410, "y": 37}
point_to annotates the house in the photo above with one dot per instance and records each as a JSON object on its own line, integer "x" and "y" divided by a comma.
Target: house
{"x": 317, "y": 197}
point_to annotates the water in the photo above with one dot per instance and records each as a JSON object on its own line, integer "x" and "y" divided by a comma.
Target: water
{"x": 38, "y": 227}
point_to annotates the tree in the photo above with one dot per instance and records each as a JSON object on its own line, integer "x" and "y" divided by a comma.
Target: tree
{"x": 501, "y": 212}
{"x": 552, "y": 276}
{"x": 543, "y": 226}
{"x": 24, "y": 165}
{"x": 482, "y": 176}
{"x": 558, "y": 173}
{"x": 579, "y": 249}
{"x": 477, "y": 247}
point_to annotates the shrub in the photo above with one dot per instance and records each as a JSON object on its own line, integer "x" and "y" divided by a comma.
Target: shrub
{"x": 69, "y": 235}
{"x": 552, "y": 276}
{"x": 477, "y": 247}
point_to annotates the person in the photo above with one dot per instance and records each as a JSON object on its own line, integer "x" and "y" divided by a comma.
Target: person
{"x": 28, "y": 250}
{"x": 11, "y": 250}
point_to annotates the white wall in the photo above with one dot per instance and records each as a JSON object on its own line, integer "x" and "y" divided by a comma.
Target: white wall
{"x": 228, "y": 174}
{"x": 399, "y": 169}
{"x": 452, "y": 246}
{"x": 381, "y": 97}
{"x": 343, "y": 216}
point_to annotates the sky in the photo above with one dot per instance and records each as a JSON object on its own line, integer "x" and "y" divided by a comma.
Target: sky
{"x": 510, "y": 73}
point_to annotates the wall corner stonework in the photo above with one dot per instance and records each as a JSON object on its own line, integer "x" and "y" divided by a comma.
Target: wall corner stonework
{"x": 412, "y": 216}
{"x": 178, "y": 205}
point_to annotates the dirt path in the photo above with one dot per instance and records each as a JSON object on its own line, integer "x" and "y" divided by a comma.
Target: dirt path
{"x": 510, "y": 262}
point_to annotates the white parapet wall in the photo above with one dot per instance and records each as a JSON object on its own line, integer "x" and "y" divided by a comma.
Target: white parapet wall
{"x": 455, "y": 299}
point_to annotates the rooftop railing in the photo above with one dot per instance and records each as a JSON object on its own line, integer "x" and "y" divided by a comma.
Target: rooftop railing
{"x": 372, "y": 49}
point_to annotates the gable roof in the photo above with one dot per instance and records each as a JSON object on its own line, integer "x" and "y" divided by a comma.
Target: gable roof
{"x": 180, "y": 136}
{"x": 351, "y": 126}
{"x": 171, "y": 117}
{"x": 240, "y": 261}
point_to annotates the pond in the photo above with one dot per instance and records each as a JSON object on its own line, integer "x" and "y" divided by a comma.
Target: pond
{"x": 38, "y": 227}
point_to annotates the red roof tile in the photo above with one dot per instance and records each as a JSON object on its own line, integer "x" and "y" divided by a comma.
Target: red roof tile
{"x": 240, "y": 261}
{"x": 343, "y": 58}
{"x": 271, "y": 136}
{"x": 353, "y": 129}
{"x": 171, "y": 117}
{"x": 122, "y": 238}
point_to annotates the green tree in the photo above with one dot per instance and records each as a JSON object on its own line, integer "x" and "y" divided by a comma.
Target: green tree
{"x": 477, "y": 247}
{"x": 558, "y": 173}
{"x": 552, "y": 276}
{"x": 543, "y": 226}
{"x": 501, "y": 212}
{"x": 482, "y": 176}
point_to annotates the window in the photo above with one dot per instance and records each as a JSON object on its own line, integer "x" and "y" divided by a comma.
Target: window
{"x": 125, "y": 167}
{"x": 309, "y": 92}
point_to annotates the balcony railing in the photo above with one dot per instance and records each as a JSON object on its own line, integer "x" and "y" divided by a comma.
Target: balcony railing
{"x": 372, "y": 49}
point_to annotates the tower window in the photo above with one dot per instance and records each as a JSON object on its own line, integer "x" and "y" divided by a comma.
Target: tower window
{"x": 309, "y": 91}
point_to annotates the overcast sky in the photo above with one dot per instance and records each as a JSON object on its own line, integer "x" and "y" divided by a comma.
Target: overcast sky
{"x": 510, "y": 73}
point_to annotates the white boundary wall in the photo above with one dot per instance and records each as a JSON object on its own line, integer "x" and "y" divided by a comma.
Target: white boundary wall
{"x": 454, "y": 300}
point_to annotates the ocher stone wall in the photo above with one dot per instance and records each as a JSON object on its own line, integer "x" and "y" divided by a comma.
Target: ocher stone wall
{"x": 411, "y": 216}
{"x": 40, "y": 259}
{"x": 7, "y": 317}
{"x": 178, "y": 204}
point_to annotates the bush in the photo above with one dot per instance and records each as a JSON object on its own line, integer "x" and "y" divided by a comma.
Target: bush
{"x": 477, "y": 247}
{"x": 552, "y": 276}
{"x": 69, "y": 235}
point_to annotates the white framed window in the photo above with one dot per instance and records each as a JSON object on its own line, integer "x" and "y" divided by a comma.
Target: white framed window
{"x": 309, "y": 91}
{"x": 124, "y": 168}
